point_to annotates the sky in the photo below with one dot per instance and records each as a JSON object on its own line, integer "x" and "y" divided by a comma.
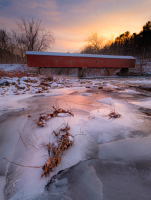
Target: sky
{"x": 72, "y": 21}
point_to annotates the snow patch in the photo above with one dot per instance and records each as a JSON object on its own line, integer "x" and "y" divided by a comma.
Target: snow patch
{"x": 108, "y": 101}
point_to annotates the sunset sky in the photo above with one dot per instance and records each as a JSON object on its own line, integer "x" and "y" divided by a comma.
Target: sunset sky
{"x": 72, "y": 21}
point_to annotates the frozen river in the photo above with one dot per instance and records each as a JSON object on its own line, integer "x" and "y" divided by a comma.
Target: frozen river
{"x": 110, "y": 158}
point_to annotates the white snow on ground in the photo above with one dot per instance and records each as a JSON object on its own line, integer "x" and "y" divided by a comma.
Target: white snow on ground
{"x": 16, "y": 67}
{"x": 107, "y": 101}
{"x": 130, "y": 91}
{"x": 138, "y": 81}
{"x": 86, "y": 94}
{"x": 54, "y": 84}
{"x": 147, "y": 68}
{"x": 29, "y": 85}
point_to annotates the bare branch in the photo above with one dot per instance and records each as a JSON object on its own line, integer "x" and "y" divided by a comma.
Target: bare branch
{"x": 22, "y": 165}
{"x": 22, "y": 139}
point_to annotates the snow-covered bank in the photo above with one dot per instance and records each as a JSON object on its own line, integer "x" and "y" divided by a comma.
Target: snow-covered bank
{"x": 141, "y": 69}
{"x": 13, "y": 67}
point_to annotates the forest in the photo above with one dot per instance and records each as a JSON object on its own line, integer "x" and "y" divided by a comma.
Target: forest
{"x": 137, "y": 45}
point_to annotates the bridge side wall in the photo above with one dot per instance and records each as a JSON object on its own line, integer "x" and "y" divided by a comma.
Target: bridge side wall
{"x": 78, "y": 62}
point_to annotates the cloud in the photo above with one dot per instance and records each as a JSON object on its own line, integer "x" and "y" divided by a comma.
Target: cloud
{"x": 73, "y": 21}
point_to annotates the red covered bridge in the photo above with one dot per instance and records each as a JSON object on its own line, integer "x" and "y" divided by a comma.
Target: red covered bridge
{"x": 73, "y": 60}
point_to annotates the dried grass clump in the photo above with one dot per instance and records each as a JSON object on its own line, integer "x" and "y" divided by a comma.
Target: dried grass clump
{"x": 46, "y": 117}
{"x": 56, "y": 150}
{"x": 114, "y": 115}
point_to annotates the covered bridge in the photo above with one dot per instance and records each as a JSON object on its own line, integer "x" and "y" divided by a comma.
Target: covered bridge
{"x": 74, "y": 60}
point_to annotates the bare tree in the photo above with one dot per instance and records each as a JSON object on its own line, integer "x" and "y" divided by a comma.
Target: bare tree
{"x": 20, "y": 46}
{"x": 31, "y": 36}
{"x": 7, "y": 47}
{"x": 3, "y": 44}
{"x": 94, "y": 44}
{"x": 11, "y": 46}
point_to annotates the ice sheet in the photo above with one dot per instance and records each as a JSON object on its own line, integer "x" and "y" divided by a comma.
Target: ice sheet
{"x": 2, "y": 184}
{"x": 128, "y": 150}
{"x": 143, "y": 103}
{"x": 125, "y": 138}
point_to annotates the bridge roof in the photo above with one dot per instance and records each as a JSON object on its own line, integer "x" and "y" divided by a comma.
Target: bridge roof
{"x": 77, "y": 55}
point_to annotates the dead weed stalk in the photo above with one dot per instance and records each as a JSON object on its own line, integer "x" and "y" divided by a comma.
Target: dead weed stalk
{"x": 113, "y": 114}
{"x": 45, "y": 117}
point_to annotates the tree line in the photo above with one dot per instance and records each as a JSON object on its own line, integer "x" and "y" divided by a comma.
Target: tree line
{"x": 137, "y": 45}
{"x": 30, "y": 35}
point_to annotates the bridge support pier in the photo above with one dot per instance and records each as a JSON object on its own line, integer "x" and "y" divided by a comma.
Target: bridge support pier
{"x": 80, "y": 72}
{"x": 39, "y": 70}
{"x": 124, "y": 71}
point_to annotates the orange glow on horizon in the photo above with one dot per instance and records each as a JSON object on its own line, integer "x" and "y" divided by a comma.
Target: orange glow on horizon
{"x": 73, "y": 21}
